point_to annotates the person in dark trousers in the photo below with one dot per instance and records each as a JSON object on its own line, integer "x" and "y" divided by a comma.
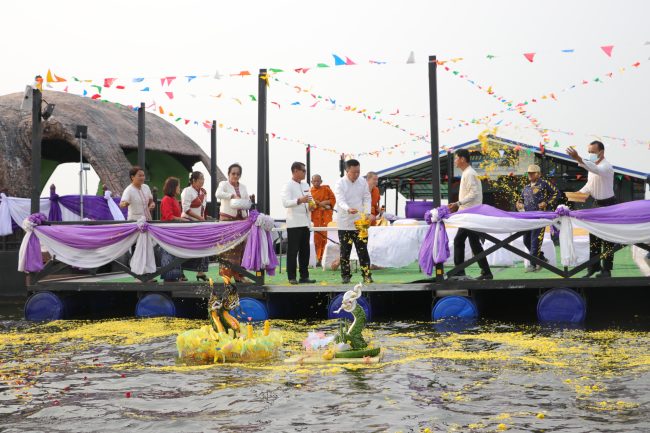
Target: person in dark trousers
{"x": 600, "y": 186}
{"x": 296, "y": 198}
{"x": 352, "y": 200}
{"x": 538, "y": 195}
{"x": 470, "y": 194}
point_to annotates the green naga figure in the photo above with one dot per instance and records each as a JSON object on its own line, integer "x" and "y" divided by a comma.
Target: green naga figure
{"x": 353, "y": 335}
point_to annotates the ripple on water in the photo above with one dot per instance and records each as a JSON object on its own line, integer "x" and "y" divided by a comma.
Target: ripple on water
{"x": 122, "y": 375}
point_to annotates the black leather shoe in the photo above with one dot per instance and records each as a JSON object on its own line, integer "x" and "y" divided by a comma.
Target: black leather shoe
{"x": 293, "y": 282}
{"x": 345, "y": 280}
{"x": 485, "y": 277}
{"x": 591, "y": 273}
{"x": 604, "y": 274}
{"x": 306, "y": 281}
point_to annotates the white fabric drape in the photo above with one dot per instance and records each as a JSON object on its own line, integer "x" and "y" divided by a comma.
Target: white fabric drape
{"x": 5, "y": 216}
{"x": 113, "y": 207}
{"x": 19, "y": 209}
{"x": 490, "y": 224}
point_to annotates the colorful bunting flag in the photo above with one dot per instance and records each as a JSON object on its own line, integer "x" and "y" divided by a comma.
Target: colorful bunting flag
{"x": 338, "y": 61}
{"x": 529, "y": 56}
{"x": 608, "y": 50}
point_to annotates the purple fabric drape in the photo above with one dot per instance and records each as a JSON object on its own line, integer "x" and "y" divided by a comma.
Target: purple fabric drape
{"x": 95, "y": 207}
{"x": 33, "y": 257}
{"x": 436, "y": 233}
{"x": 88, "y": 237}
{"x": 632, "y": 212}
{"x": 201, "y": 236}
{"x": 55, "y": 207}
{"x": 252, "y": 259}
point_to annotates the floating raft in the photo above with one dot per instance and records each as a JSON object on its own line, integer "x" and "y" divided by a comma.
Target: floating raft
{"x": 317, "y": 358}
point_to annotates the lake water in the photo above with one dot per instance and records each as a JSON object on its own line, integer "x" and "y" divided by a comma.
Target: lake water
{"x": 122, "y": 375}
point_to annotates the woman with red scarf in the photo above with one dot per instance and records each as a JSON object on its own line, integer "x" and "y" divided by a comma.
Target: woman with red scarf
{"x": 193, "y": 204}
{"x": 170, "y": 210}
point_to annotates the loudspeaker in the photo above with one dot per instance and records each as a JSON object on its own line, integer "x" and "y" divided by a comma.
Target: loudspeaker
{"x": 81, "y": 132}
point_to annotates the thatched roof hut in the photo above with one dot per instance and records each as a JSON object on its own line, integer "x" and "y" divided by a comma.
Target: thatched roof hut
{"x": 112, "y": 141}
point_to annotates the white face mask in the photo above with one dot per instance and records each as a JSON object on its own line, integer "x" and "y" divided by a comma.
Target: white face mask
{"x": 593, "y": 157}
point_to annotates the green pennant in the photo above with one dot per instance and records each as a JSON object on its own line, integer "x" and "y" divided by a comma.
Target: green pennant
{"x": 276, "y": 70}
{"x": 491, "y": 56}
{"x": 556, "y": 144}
{"x": 322, "y": 65}
{"x": 619, "y": 177}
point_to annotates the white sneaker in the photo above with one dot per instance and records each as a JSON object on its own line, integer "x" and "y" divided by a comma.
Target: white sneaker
{"x": 530, "y": 268}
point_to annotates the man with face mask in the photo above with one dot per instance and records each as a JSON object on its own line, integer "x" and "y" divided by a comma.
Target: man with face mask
{"x": 538, "y": 195}
{"x": 600, "y": 186}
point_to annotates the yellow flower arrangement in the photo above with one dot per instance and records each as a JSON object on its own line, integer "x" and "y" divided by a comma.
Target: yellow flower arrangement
{"x": 362, "y": 224}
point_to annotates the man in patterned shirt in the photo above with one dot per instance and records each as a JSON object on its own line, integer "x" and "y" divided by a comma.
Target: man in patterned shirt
{"x": 538, "y": 195}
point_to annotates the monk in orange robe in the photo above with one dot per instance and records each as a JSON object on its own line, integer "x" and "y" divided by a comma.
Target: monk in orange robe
{"x": 322, "y": 215}
{"x": 372, "y": 178}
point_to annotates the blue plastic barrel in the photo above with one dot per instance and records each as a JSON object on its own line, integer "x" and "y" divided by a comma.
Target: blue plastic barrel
{"x": 561, "y": 305}
{"x": 454, "y": 306}
{"x": 155, "y": 305}
{"x": 249, "y": 307}
{"x": 335, "y": 304}
{"x": 44, "y": 307}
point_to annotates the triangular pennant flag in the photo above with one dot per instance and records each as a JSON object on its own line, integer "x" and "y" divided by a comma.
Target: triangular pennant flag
{"x": 190, "y": 77}
{"x": 56, "y": 78}
{"x": 160, "y": 109}
{"x": 146, "y": 89}
{"x": 252, "y": 97}
{"x": 170, "y": 79}
{"x": 108, "y": 82}
{"x": 349, "y": 62}
{"x": 85, "y": 93}
{"x": 568, "y": 51}
{"x": 529, "y": 56}
{"x": 556, "y": 144}
{"x": 99, "y": 88}
{"x": 608, "y": 50}
{"x": 119, "y": 87}
{"x": 619, "y": 177}
{"x": 96, "y": 96}
{"x": 411, "y": 58}
{"x": 578, "y": 176}
{"x": 322, "y": 65}
{"x": 66, "y": 89}
{"x": 275, "y": 70}
{"x": 338, "y": 61}
{"x": 138, "y": 80}
{"x": 170, "y": 95}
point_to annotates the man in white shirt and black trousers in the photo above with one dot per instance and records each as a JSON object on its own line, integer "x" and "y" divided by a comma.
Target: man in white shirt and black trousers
{"x": 352, "y": 199}
{"x": 470, "y": 194}
{"x": 600, "y": 186}
{"x": 296, "y": 197}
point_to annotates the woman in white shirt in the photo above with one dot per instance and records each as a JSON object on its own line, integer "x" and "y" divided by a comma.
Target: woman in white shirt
{"x": 137, "y": 197}
{"x": 193, "y": 203}
{"x": 235, "y": 203}
{"x": 233, "y": 195}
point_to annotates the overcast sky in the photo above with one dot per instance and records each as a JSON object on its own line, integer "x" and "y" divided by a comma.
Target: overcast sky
{"x": 153, "y": 39}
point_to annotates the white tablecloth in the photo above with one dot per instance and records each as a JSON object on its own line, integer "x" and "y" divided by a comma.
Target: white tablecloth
{"x": 398, "y": 246}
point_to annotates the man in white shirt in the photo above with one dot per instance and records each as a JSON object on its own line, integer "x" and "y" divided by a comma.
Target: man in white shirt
{"x": 352, "y": 199}
{"x": 600, "y": 186}
{"x": 296, "y": 198}
{"x": 470, "y": 194}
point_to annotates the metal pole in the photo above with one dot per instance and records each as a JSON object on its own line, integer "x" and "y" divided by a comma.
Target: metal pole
{"x": 36, "y": 150}
{"x": 81, "y": 174}
{"x": 399, "y": 182}
{"x": 213, "y": 169}
{"x": 450, "y": 174}
{"x": 141, "y": 138}
{"x": 261, "y": 140}
{"x": 308, "y": 160}
{"x": 267, "y": 180}
{"x": 433, "y": 118}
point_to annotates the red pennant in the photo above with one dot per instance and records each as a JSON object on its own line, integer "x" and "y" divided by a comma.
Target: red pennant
{"x": 108, "y": 82}
{"x": 529, "y": 56}
{"x": 119, "y": 87}
{"x": 96, "y": 96}
{"x": 187, "y": 121}
{"x": 170, "y": 95}
{"x": 636, "y": 65}
{"x": 349, "y": 62}
{"x": 578, "y": 176}
{"x": 608, "y": 50}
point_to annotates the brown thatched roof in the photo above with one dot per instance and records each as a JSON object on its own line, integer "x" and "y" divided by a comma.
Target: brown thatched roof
{"x": 111, "y": 128}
